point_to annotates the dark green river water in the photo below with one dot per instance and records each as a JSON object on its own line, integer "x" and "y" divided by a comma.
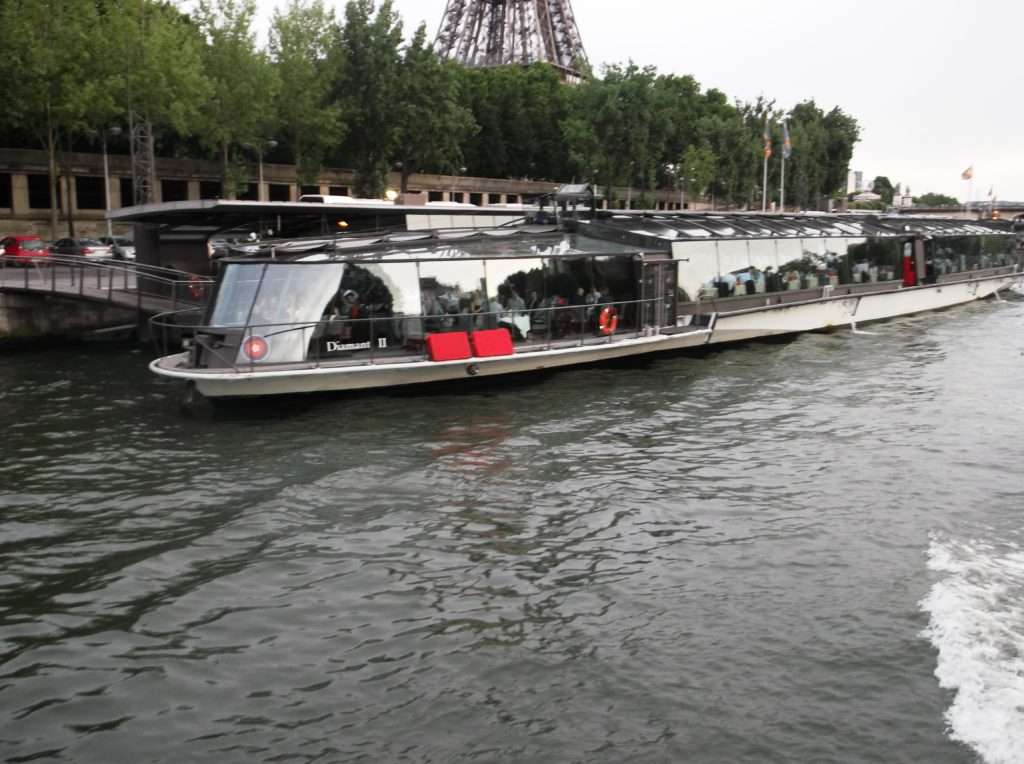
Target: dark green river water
{"x": 798, "y": 551}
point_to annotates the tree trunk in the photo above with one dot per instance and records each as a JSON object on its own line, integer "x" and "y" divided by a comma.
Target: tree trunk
{"x": 227, "y": 188}
{"x": 406, "y": 173}
{"x": 51, "y": 149}
{"x": 69, "y": 199}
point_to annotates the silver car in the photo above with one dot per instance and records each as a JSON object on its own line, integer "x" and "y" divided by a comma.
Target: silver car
{"x": 122, "y": 247}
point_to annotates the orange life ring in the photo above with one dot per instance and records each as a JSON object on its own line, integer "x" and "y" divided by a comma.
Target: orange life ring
{"x": 608, "y": 321}
{"x": 195, "y": 288}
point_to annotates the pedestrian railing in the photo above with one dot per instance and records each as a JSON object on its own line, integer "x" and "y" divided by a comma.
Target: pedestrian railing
{"x": 145, "y": 287}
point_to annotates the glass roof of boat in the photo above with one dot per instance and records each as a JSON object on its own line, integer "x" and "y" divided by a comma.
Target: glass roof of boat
{"x": 518, "y": 242}
{"x": 698, "y": 226}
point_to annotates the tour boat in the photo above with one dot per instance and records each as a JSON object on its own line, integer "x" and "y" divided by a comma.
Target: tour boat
{"x": 357, "y": 312}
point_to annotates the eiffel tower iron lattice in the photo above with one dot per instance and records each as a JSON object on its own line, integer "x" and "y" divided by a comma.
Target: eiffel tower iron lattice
{"x": 505, "y": 32}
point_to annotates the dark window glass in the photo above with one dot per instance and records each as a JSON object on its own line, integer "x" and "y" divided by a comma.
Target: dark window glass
{"x": 875, "y": 260}
{"x": 435, "y": 196}
{"x": 494, "y": 198}
{"x": 249, "y": 192}
{"x": 476, "y": 199}
{"x": 39, "y": 192}
{"x": 279, "y": 192}
{"x": 174, "y": 190}
{"x": 457, "y": 197}
{"x": 127, "y": 192}
{"x": 375, "y": 310}
{"x": 337, "y": 191}
{"x": 452, "y": 296}
{"x": 309, "y": 190}
{"x": 5, "y": 190}
{"x": 210, "y": 189}
{"x": 90, "y": 193}
{"x": 512, "y": 199}
{"x": 515, "y": 291}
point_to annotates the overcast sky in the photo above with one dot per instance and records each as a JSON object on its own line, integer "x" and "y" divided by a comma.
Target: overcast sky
{"x": 935, "y": 85}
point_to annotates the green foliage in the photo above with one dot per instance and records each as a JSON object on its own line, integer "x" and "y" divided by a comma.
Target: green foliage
{"x": 431, "y": 122}
{"x": 155, "y": 55}
{"x": 243, "y": 83}
{"x": 935, "y": 200}
{"x": 884, "y": 188}
{"x": 698, "y": 168}
{"x": 367, "y": 87}
{"x": 301, "y": 40}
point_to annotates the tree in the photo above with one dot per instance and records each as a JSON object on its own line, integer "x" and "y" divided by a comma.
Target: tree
{"x": 935, "y": 200}
{"x": 431, "y": 122}
{"x": 300, "y": 42}
{"x": 46, "y": 70}
{"x": 698, "y": 168}
{"x": 244, "y": 84}
{"x": 884, "y": 188}
{"x": 159, "y": 79}
{"x": 367, "y": 87}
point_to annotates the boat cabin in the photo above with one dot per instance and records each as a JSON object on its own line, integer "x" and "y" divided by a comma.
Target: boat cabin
{"x": 386, "y": 299}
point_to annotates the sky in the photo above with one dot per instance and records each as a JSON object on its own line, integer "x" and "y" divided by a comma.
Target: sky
{"x": 936, "y": 85}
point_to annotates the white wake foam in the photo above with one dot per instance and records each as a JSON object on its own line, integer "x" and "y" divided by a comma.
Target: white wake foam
{"x": 977, "y": 625}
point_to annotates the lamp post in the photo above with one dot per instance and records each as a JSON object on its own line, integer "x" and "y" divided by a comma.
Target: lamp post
{"x": 114, "y": 131}
{"x": 259, "y": 148}
{"x": 271, "y": 145}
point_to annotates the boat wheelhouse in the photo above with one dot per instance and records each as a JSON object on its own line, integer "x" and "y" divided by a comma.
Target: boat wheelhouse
{"x": 358, "y": 312}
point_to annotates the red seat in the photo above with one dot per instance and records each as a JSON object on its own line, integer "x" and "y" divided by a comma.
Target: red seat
{"x": 451, "y": 346}
{"x": 495, "y": 342}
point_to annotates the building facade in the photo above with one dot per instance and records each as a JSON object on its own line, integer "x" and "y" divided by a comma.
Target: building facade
{"x": 82, "y": 194}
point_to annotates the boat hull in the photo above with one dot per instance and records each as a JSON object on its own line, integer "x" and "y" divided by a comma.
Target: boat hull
{"x": 748, "y": 324}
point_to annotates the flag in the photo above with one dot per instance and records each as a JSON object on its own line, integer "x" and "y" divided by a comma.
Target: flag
{"x": 787, "y": 144}
{"x": 968, "y": 173}
{"x": 767, "y": 140}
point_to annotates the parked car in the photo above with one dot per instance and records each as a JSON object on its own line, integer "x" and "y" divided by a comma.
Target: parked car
{"x": 25, "y": 247}
{"x": 82, "y": 248}
{"x": 122, "y": 247}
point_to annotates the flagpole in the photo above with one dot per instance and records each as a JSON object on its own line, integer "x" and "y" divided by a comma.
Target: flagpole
{"x": 782, "y": 186}
{"x": 764, "y": 187}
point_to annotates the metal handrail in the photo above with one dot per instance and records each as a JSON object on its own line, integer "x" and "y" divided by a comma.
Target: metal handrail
{"x": 577, "y": 336}
{"x": 140, "y": 279}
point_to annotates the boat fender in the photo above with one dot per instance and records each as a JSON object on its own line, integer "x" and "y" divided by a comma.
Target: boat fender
{"x": 608, "y": 322}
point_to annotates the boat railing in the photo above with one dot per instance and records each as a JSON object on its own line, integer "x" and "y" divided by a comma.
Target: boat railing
{"x": 121, "y": 281}
{"x": 391, "y": 339}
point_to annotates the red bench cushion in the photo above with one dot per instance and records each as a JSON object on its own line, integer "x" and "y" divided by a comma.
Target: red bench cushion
{"x": 492, "y": 343}
{"x": 451, "y": 346}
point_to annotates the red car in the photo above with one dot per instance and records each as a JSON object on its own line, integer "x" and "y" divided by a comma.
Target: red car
{"x": 24, "y": 248}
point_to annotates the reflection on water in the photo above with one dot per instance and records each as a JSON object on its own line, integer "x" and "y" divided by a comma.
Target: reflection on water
{"x": 714, "y": 558}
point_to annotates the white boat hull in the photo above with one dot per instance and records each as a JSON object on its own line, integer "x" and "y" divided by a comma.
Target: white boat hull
{"x": 748, "y": 324}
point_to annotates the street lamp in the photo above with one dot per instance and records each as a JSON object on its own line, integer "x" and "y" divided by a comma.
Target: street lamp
{"x": 114, "y": 131}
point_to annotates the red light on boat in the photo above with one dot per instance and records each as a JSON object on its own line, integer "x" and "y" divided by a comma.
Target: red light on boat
{"x": 256, "y": 348}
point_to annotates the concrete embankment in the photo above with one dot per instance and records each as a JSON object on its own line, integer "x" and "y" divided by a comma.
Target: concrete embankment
{"x": 27, "y": 318}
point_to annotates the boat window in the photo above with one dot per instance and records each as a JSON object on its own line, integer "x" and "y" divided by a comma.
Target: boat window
{"x": 572, "y": 292}
{"x": 515, "y": 289}
{"x": 698, "y": 266}
{"x": 873, "y": 260}
{"x": 970, "y": 253}
{"x": 792, "y": 267}
{"x": 452, "y": 295}
{"x": 615, "y": 282}
{"x": 375, "y": 309}
{"x": 733, "y": 271}
{"x": 280, "y": 302}
{"x": 235, "y": 295}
